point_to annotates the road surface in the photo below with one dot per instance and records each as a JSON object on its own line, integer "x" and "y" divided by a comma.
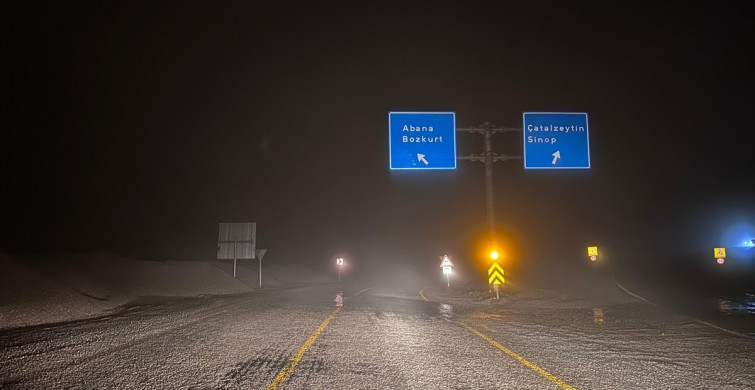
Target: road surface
{"x": 383, "y": 337}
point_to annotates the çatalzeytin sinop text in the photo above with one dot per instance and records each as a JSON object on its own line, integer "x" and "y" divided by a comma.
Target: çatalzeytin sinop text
{"x": 535, "y": 139}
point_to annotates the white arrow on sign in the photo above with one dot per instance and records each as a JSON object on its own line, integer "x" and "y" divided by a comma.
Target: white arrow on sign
{"x": 421, "y": 157}
{"x": 556, "y": 156}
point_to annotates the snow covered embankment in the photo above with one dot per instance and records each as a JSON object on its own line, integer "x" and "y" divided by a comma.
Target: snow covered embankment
{"x": 63, "y": 288}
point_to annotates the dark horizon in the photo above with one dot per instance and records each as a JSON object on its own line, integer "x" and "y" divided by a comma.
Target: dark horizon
{"x": 136, "y": 127}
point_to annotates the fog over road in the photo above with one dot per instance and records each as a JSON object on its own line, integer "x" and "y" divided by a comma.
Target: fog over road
{"x": 385, "y": 336}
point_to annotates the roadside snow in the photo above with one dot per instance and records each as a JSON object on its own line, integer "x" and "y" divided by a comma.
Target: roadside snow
{"x": 46, "y": 289}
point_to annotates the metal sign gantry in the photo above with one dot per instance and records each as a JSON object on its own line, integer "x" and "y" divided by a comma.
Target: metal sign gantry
{"x": 489, "y": 157}
{"x": 567, "y": 131}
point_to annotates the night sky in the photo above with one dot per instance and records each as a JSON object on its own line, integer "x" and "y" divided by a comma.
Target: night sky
{"x": 135, "y": 127}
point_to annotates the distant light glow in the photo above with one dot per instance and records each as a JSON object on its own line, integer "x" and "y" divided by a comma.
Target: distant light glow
{"x": 739, "y": 242}
{"x": 739, "y": 235}
{"x": 494, "y": 255}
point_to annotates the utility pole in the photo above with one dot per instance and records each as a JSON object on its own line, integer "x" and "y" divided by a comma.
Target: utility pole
{"x": 488, "y": 157}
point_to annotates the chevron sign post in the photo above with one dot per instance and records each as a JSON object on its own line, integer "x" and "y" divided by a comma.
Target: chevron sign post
{"x": 495, "y": 274}
{"x": 447, "y": 266}
{"x": 495, "y": 277}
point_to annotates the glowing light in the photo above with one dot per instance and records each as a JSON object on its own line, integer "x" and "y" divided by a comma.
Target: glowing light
{"x": 339, "y": 261}
{"x": 446, "y": 263}
{"x": 494, "y": 255}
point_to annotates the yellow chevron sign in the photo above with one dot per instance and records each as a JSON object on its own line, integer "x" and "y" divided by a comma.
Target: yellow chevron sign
{"x": 495, "y": 274}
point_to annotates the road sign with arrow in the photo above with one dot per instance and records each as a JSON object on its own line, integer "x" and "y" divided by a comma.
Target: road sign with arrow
{"x": 422, "y": 140}
{"x": 555, "y": 140}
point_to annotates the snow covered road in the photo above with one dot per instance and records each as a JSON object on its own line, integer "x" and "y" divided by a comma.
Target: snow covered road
{"x": 382, "y": 338}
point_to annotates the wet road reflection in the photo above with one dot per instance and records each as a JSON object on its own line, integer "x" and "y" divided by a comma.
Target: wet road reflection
{"x": 597, "y": 314}
{"x": 730, "y": 307}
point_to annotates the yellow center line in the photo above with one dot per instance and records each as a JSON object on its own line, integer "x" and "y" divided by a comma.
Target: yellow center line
{"x": 522, "y": 360}
{"x": 289, "y": 368}
{"x": 423, "y": 295}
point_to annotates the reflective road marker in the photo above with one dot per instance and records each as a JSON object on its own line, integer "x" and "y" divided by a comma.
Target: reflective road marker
{"x": 289, "y": 368}
{"x": 522, "y": 360}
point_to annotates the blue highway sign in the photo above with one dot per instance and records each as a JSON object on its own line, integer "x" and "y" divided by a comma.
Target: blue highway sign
{"x": 555, "y": 140}
{"x": 422, "y": 140}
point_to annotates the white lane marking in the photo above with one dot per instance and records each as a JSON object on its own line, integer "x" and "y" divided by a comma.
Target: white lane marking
{"x": 362, "y": 291}
{"x": 735, "y": 333}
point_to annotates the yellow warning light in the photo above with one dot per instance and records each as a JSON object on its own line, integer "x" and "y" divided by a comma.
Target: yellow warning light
{"x": 494, "y": 255}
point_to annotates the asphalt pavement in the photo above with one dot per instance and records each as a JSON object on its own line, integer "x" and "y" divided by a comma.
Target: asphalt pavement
{"x": 383, "y": 337}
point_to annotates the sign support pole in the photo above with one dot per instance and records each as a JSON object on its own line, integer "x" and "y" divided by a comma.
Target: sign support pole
{"x": 259, "y": 254}
{"x": 489, "y": 180}
{"x": 234, "y": 258}
{"x": 339, "y": 265}
{"x": 488, "y": 157}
